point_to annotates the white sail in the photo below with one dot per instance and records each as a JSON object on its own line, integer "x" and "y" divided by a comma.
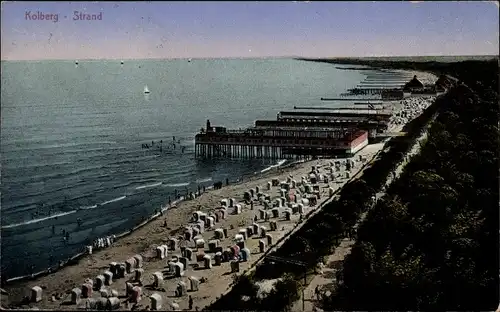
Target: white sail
{"x": 146, "y": 90}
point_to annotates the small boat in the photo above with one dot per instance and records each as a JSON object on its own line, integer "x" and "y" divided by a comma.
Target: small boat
{"x": 76, "y": 62}
{"x": 146, "y": 90}
{"x": 189, "y": 60}
{"x": 122, "y": 62}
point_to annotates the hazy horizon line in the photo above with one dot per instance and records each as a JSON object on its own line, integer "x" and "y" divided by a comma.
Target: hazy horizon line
{"x": 243, "y": 57}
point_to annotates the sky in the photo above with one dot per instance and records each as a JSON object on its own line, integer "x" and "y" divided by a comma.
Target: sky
{"x": 141, "y": 30}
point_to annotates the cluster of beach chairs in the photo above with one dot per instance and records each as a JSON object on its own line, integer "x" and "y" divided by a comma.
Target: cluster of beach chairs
{"x": 278, "y": 203}
{"x": 410, "y": 109}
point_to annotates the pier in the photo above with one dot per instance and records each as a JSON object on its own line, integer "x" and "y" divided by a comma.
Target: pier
{"x": 354, "y": 108}
{"x": 349, "y": 99}
{"x": 370, "y": 91}
{"x": 278, "y": 142}
{"x": 372, "y": 126}
{"x": 374, "y": 114}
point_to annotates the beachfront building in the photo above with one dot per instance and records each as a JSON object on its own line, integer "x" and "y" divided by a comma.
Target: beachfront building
{"x": 279, "y": 142}
{"x": 413, "y": 85}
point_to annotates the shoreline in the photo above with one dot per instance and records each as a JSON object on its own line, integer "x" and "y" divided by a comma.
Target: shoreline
{"x": 163, "y": 209}
{"x": 63, "y": 279}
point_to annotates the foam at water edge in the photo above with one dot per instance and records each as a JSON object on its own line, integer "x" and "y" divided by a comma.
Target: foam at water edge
{"x": 38, "y": 220}
{"x": 148, "y": 186}
{"x": 204, "y": 180}
{"x": 177, "y": 184}
{"x": 113, "y": 200}
{"x": 280, "y": 163}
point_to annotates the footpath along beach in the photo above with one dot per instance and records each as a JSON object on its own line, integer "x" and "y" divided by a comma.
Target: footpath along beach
{"x": 56, "y": 288}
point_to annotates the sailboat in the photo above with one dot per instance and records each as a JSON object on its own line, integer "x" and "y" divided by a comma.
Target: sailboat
{"x": 189, "y": 60}
{"x": 146, "y": 90}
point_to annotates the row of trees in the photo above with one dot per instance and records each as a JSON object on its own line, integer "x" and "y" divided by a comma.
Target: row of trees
{"x": 432, "y": 242}
{"x": 323, "y": 232}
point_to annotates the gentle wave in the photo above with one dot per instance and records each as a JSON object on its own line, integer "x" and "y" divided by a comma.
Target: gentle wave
{"x": 204, "y": 180}
{"x": 87, "y": 207}
{"x": 113, "y": 200}
{"x": 42, "y": 177}
{"x": 37, "y": 165}
{"x": 281, "y": 162}
{"x": 60, "y": 145}
{"x": 177, "y": 184}
{"x": 38, "y": 220}
{"x": 148, "y": 186}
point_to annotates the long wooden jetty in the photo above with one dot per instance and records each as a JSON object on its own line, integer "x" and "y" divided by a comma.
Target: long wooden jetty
{"x": 370, "y": 125}
{"x": 387, "y": 86}
{"x": 330, "y": 115}
{"x": 377, "y": 81}
{"x": 348, "y": 99}
{"x": 338, "y": 108}
{"x": 366, "y": 103}
{"x": 371, "y": 90}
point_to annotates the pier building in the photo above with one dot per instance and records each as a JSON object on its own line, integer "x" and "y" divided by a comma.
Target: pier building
{"x": 279, "y": 141}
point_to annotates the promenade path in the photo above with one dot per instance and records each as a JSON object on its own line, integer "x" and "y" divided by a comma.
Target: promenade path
{"x": 326, "y": 281}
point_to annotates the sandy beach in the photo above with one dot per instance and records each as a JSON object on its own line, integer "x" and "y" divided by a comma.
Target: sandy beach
{"x": 56, "y": 288}
{"x": 145, "y": 240}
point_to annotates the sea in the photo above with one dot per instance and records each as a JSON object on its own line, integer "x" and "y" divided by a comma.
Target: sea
{"x": 73, "y": 136}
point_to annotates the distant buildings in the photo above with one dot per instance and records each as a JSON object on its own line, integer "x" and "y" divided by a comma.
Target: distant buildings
{"x": 413, "y": 85}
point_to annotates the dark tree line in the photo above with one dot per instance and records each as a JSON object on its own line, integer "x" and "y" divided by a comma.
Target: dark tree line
{"x": 432, "y": 243}
{"x": 322, "y": 233}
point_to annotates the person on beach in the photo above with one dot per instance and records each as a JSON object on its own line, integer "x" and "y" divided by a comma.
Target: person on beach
{"x": 169, "y": 201}
{"x": 227, "y": 181}
{"x": 316, "y": 292}
{"x": 190, "y": 303}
